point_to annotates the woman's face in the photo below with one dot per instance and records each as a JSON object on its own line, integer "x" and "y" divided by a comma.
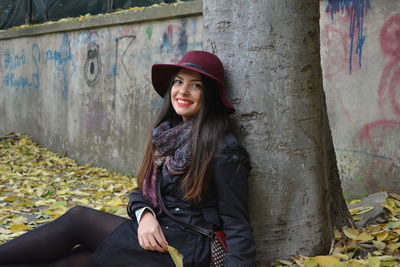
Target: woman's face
{"x": 186, "y": 93}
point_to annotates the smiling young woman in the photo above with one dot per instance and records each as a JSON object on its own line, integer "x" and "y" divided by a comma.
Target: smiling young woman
{"x": 200, "y": 169}
{"x": 186, "y": 93}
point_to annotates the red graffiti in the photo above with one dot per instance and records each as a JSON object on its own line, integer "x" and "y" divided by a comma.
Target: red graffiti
{"x": 390, "y": 36}
{"x": 366, "y": 134}
{"x": 390, "y": 79}
{"x": 126, "y": 31}
{"x": 380, "y": 139}
{"x": 170, "y": 29}
{"x": 394, "y": 83}
{"x": 386, "y": 82}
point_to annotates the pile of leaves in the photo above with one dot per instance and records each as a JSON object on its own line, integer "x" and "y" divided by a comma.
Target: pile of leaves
{"x": 37, "y": 186}
{"x": 375, "y": 245}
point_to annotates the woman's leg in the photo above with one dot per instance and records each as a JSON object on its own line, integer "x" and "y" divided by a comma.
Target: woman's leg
{"x": 54, "y": 241}
{"x": 79, "y": 257}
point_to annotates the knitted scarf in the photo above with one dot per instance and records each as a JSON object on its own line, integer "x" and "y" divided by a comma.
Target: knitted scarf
{"x": 172, "y": 150}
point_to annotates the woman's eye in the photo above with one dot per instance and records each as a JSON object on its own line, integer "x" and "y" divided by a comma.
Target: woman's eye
{"x": 198, "y": 85}
{"x": 177, "y": 82}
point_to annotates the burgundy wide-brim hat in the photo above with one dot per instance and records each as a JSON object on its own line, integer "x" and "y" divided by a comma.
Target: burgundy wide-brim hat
{"x": 202, "y": 62}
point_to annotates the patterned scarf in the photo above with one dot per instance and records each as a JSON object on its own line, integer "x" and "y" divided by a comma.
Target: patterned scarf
{"x": 172, "y": 150}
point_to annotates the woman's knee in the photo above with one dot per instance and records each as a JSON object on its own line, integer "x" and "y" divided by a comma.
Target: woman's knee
{"x": 78, "y": 213}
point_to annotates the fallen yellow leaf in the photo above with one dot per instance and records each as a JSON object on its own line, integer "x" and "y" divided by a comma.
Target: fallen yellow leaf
{"x": 379, "y": 245}
{"x": 357, "y": 263}
{"x": 364, "y": 237}
{"x": 336, "y": 233}
{"x": 326, "y": 261}
{"x": 351, "y": 232}
{"x": 373, "y": 262}
{"x": 310, "y": 263}
{"x": 16, "y": 228}
{"x": 354, "y": 201}
{"x": 176, "y": 256}
{"x": 382, "y": 235}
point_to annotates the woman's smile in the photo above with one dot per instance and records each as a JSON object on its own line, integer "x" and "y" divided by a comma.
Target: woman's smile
{"x": 184, "y": 102}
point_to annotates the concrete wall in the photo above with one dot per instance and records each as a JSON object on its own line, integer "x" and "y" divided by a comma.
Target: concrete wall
{"x": 88, "y": 92}
{"x": 97, "y": 109}
{"x": 360, "y": 48}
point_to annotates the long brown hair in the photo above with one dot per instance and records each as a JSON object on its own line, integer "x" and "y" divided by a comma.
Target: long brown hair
{"x": 209, "y": 125}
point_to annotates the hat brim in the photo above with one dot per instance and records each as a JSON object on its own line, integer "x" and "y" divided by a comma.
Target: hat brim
{"x": 161, "y": 78}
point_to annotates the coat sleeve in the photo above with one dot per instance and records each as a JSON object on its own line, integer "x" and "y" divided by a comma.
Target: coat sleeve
{"x": 231, "y": 169}
{"x": 137, "y": 201}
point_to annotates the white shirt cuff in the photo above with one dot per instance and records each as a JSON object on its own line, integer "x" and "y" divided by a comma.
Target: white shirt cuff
{"x": 139, "y": 213}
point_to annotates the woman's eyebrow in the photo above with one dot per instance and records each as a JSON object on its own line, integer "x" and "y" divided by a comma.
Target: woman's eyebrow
{"x": 194, "y": 80}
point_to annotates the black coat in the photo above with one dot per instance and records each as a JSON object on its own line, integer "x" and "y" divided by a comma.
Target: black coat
{"x": 224, "y": 205}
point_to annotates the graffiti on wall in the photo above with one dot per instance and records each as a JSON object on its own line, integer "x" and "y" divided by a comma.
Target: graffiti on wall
{"x": 362, "y": 38}
{"x": 62, "y": 58}
{"x": 381, "y": 136}
{"x": 13, "y": 64}
{"x": 123, "y": 44}
{"x": 355, "y": 11}
{"x": 98, "y": 69}
{"x": 175, "y": 41}
{"x": 92, "y": 68}
{"x": 388, "y": 100}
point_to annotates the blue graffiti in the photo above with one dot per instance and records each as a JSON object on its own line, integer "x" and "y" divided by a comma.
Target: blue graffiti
{"x": 11, "y": 62}
{"x": 355, "y": 10}
{"x": 114, "y": 70}
{"x": 169, "y": 45}
{"x": 61, "y": 56}
{"x": 183, "y": 40}
{"x": 363, "y": 153}
{"x": 36, "y": 58}
{"x": 12, "y": 80}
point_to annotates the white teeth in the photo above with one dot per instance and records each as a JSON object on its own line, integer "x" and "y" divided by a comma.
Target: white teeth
{"x": 183, "y": 102}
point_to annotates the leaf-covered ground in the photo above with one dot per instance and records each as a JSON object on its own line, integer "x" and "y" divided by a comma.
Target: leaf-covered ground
{"x": 373, "y": 246}
{"x": 37, "y": 186}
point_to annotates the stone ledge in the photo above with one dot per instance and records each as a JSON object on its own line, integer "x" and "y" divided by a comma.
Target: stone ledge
{"x": 155, "y": 13}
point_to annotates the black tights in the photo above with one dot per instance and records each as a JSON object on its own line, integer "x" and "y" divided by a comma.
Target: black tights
{"x": 55, "y": 243}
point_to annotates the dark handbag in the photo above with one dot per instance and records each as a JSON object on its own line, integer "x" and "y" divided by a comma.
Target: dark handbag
{"x": 218, "y": 249}
{"x": 217, "y": 239}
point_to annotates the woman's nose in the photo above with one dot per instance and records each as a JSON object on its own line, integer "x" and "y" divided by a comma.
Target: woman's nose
{"x": 184, "y": 89}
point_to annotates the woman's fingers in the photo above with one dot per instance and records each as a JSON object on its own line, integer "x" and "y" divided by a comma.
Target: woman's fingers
{"x": 153, "y": 241}
{"x": 150, "y": 234}
{"x": 161, "y": 240}
{"x": 155, "y": 245}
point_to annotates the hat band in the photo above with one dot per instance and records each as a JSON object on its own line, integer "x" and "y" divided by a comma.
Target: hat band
{"x": 194, "y": 65}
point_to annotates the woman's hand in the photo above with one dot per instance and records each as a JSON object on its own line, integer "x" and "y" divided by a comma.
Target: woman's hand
{"x": 150, "y": 234}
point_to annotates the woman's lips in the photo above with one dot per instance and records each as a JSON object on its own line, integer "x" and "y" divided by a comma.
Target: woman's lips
{"x": 183, "y": 102}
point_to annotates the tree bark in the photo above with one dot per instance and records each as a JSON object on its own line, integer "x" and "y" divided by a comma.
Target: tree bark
{"x": 270, "y": 50}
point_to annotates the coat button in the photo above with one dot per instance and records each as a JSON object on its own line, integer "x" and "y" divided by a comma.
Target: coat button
{"x": 177, "y": 209}
{"x": 235, "y": 158}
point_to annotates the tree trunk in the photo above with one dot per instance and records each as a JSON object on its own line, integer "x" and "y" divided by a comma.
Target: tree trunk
{"x": 270, "y": 50}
